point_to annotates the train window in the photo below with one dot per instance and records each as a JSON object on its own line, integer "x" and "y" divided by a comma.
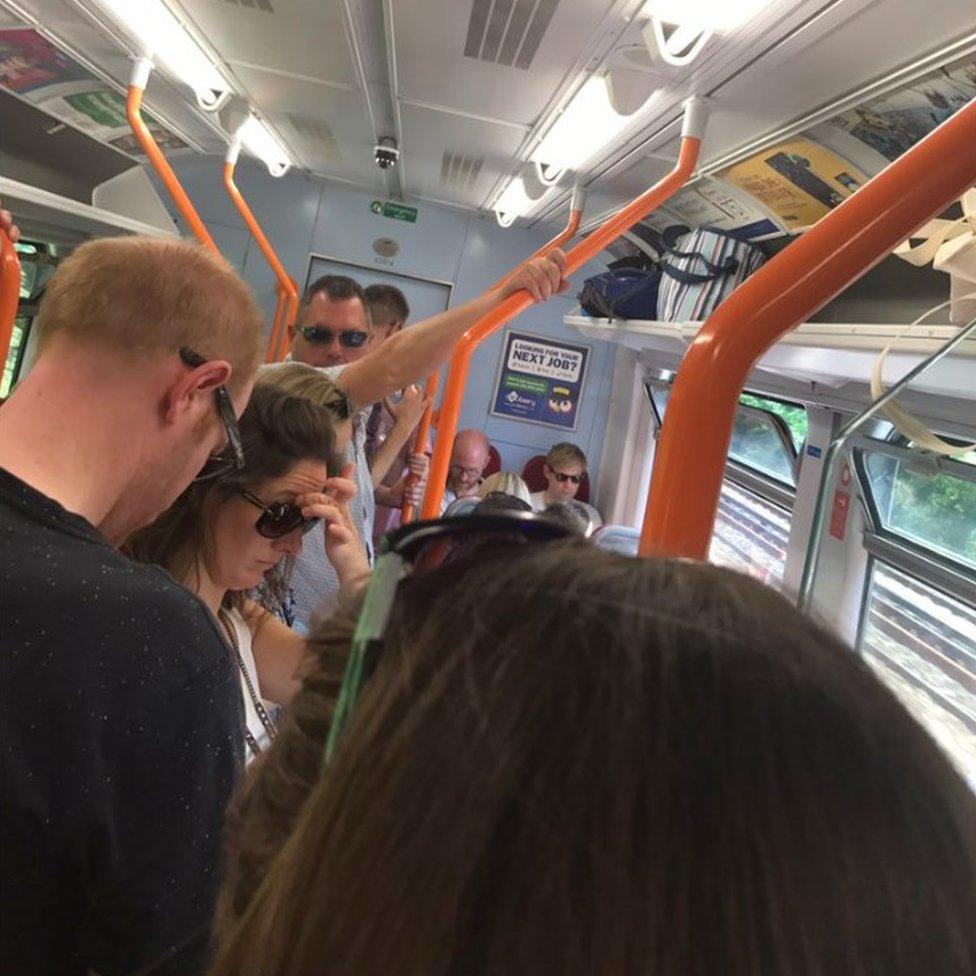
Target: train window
{"x": 793, "y": 415}
{"x": 15, "y": 353}
{"x": 929, "y": 502}
{"x": 922, "y": 643}
{"x": 767, "y": 435}
{"x": 751, "y": 534}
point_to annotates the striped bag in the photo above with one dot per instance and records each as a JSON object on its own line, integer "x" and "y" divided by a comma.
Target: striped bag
{"x": 700, "y": 269}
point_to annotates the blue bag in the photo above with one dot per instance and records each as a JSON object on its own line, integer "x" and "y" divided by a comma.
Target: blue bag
{"x": 700, "y": 269}
{"x": 622, "y": 293}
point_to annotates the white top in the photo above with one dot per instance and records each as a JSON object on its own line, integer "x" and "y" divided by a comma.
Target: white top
{"x": 244, "y": 645}
{"x": 539, "y": 504}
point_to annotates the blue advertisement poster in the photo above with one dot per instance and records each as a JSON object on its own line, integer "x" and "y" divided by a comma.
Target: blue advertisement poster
{"x": 540, "y": 380}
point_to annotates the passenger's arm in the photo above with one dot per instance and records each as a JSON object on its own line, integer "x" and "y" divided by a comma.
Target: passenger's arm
{"x": 413, "y": 354}
{"x": 406, "y": 415}
{"x": 278, "y": 654}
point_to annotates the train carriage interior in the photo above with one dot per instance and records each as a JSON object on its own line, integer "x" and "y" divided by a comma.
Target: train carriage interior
{"x": 753, "y": 303}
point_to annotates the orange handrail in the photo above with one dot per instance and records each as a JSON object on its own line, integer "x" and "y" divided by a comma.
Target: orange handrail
{"x": 518, "y": 302}
{"x": 286, "y": 319}
{"x": 420, "y": 442}
{"x": 280, "y": 301}
{"x": 433, "y": 381}
{"x": 9, "y": 293}
{"x": 133, "y": 111}
{"x": 691, "y": 453}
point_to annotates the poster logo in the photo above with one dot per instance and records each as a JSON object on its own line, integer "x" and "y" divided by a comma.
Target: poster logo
{"x": 540, "y": 380}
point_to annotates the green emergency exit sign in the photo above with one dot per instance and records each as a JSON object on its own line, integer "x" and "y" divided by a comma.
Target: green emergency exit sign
{"x": 395, "y": 211}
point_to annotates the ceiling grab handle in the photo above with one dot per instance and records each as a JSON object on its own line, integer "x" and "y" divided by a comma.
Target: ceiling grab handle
{"x": 133, "y": 109}
{"x": 691, "y": 133}
{"x": 784, "y": 292}
{"x": 433, "y": 382}
{"x": 9, "y": 293}
{"x": 286, "y": 321}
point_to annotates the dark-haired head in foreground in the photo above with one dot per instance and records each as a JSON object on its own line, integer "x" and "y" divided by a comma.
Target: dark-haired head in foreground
{"x": 591, "y": 764}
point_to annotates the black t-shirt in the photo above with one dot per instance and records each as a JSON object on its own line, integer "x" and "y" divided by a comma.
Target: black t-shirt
{"x": 120, "y": 743}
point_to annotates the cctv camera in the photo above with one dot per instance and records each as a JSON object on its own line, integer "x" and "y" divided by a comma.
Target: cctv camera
{"x": 386, "y": 153}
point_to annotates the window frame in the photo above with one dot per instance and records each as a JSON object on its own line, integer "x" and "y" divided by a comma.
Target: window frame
{"x": 936, "y": 569}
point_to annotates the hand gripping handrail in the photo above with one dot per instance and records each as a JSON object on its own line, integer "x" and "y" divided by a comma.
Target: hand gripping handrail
{"x": 133, "y": 111}
{"x": 690, "y": 456}
{"x": 286, "y": 318}
{"x": 586, "y": 250}
{"x": 433, "y": 381}
{"x": 9, "y": 293}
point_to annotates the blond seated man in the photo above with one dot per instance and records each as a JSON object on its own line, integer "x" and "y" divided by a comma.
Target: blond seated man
{"x": 564, "y": 468}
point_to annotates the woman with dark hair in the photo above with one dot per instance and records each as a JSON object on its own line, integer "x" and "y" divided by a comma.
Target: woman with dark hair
{"x": 581, "y": 763}
{"x": 227, "y": 535}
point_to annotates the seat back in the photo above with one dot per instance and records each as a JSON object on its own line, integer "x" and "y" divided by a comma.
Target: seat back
{"x": 494, "y": 464}
{"x": 618, "y": 538}
{"x": 533, "y": 476}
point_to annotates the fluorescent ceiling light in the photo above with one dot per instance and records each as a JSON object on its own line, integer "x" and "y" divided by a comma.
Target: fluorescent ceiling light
{"x": 585, "y": 126}
{"x": 165, "y": 40}
{"x": 258, "y": 140}
{"x": 704, "y": 15}
{"x": 514, "y": 202}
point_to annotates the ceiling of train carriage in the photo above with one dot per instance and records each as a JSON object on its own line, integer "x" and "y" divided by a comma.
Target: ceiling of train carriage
{"x": 469, "y": 87}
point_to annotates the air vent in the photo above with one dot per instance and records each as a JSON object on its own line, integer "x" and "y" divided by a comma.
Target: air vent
{"x": 264, "y": 5}
{"x": 460, "y": 171}
{"x": 318, "y": 131}
{"x": 508, "y": 32}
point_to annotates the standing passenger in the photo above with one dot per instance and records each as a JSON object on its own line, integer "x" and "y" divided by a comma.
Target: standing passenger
{"x": 120, "y": 712}
{"x": 389, "y": 311}
{"x": 333, "y": 331}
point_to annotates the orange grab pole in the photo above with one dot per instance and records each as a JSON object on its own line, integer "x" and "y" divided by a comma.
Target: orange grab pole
{"x": 288, "y": 318}
{"x": 518, "y": 302}
{"x": 9, "y": 293}
{"x": 133, "y": 111}
{"x": 692, "y": 449}
{"x": 433, "y": 381}
{"x": 279, "y": 311}
{"x": 420, "y": 442}
{"x": 287, "y": 286}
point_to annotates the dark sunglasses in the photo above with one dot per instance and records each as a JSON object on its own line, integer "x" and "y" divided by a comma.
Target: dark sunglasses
{"x": 321, "y": 335}
{"x": 232, "y": 457}
{"x": 279, "y": 518}
{"x": 416, "y": 548}
{"x": 563, "y": 478}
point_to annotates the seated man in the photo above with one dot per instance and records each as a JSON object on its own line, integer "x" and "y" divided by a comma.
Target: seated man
{"x": 469, "y": 458}
{"x": 334, "y": 331}
{"x": 564, "y": 468}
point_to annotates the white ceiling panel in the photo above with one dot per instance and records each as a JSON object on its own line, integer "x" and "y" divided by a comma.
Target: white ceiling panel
{"x": 451, "y": 158}
{"x": 432, "y": 67}
{"x": 303, "y": 37}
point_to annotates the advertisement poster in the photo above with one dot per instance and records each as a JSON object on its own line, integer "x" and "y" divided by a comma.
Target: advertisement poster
{"x": 714, "y": 204}
{"x": 799, "y": 181}
{"x": 540, "y": 380}
{"x": 36, "y": 70}
{"x": 891, "y": 124}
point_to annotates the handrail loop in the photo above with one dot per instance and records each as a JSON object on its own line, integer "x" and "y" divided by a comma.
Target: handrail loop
{"x": 685, "y": 486}
{"x": 433, "y": 381}
{"x": 586, "y": 250}
{"x": 9, "y": 293}
{"x": 290, "y": 306}
{"x": 133, "y": 110}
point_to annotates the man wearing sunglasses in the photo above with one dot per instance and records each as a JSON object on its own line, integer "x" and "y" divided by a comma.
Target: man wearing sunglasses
{"x": 564, "y": 470}
{"x": 120, "y": 709}
{"x": 333, "y": 331}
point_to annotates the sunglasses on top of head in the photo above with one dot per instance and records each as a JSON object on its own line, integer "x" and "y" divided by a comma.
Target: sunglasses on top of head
{"x": 322, "y": 335}
{"x": 562, "y": 477}
{"x": 278, "y": 519}
{"x": 419, "y": 548}
{"x": 232, "y": 456}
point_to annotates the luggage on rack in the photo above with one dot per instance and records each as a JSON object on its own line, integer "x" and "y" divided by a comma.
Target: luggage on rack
{"x": 625, "y": 291}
